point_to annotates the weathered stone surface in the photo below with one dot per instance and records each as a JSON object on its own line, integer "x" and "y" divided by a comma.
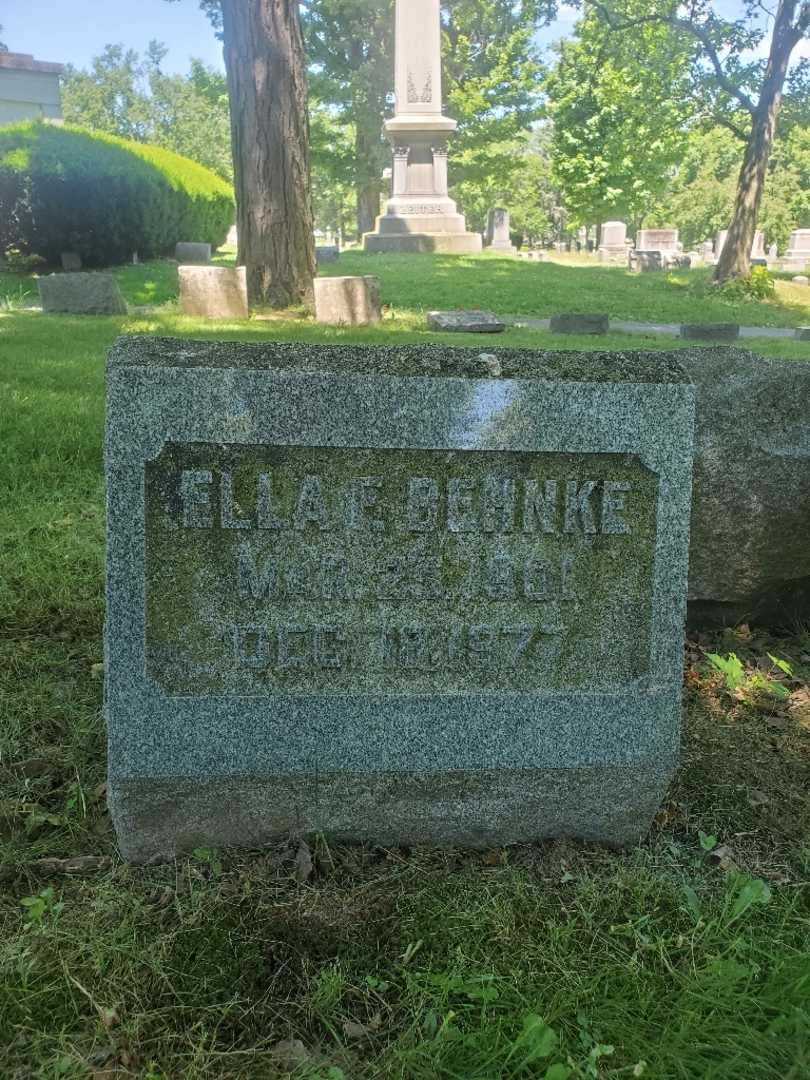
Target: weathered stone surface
{"x": 213, "y": 292}
{"x": 749, "y": 553}
{"x": 327, "y": 253}
{"x": 81, "y": 294}
{"x": 71, "y": 261}
{"x": 466, "y": 322}
{"x": 803, "y": 333}
{"x": 347, "y": 301}
{"x": 378, "y": 593}
{"x": 646, "y": 261}
{"x": 420, "y": 215}
{"x": 193, "y": 253}
{"x": 710, "y": 331}
{"x": 801, "y": 279}
{"x": 498, "y": 236}
{"x": 579, "y": 324}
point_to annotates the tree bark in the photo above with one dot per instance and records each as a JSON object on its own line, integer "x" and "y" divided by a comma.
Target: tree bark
{"x": 735, "y": 258}
{"x": 267, "y": 84}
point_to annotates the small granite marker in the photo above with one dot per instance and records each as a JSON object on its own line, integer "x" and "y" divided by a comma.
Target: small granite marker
{"x": 213, "y": 292}
{"x": 193, "y": 253}
{"x": 81, "y": 294}
{"x": 465, "y": 322}
{"x": 347, "y": 301}
{"x": 389, "y": 594}
{"x": 579, "y": 324}
{"x": 710, "y": 331}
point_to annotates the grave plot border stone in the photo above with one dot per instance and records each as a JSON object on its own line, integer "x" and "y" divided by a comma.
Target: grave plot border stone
{"x": 710, "y": 331}
{"x": 572, "y": 323}
{"x": 81, "y": 293}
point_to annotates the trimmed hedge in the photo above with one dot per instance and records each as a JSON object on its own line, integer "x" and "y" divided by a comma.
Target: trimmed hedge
{"x": 65, "y": 188}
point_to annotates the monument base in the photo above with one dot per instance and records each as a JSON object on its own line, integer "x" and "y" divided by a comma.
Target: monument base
{"x": 159, "y": 819}
{"x": 441, "y": 243}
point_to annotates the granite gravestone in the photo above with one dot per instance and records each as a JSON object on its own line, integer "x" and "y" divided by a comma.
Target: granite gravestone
{"x": 379, "y": 593}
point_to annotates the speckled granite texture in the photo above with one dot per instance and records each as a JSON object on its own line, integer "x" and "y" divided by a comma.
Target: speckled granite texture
{"x": 381, "y": 593}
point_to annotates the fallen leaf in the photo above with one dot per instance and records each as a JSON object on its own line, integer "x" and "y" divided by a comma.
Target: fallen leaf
{"x": 799, "y": 705}
{"x": 109, "y": 1018}
{"x": 97, "y": 671}
{"x": 668, "y": 813}
{"x": 81, "y": 864}
{"x": 99, "y": 792}
{"x": 496, "y": 857}
{"x": 723, "y": 858}
{"x": 160, "y": 898}
{"x": 303, "y": 862}
{"x": 290, "y": 1053}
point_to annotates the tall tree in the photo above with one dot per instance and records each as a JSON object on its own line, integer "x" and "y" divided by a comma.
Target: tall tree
{"x": 619, "y": 108}
{"x": 265, "y": 64}
{"x": 744, "y": 94}
{"x": 350, "y": 52}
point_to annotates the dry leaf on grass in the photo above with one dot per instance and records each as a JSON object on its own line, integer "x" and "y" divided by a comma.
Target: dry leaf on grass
{"x": 32, "y": 767}
{"x": 81, "y": 864}
{"x": 290, "y": 1053}
{"x": 723, "y": 858}
{"x": 303, "y": 862}
{"x": 353, "y": 1030}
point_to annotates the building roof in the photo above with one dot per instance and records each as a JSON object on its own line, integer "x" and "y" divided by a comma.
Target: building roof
{"x": 25, "y": 62}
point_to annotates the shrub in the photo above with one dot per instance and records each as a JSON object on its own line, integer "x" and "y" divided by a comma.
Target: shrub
{"x": 65, "y": 188}
{"x": 758, "y": 285}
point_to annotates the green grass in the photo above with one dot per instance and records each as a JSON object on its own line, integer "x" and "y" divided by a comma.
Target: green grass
{"x": 385, "y": 964}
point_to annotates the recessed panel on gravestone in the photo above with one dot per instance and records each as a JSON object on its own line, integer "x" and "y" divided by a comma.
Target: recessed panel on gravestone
{"x": 320, "y": 569}
{"x": 375, "y": 592}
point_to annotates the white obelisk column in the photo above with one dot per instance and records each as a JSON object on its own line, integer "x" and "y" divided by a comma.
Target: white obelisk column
{"x": 418, "y": 59}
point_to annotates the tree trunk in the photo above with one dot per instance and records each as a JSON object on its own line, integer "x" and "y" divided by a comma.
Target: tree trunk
{"x": 735, "y": 258}
{"x": 368, "y": 207}
{"x": 267, "y": 84}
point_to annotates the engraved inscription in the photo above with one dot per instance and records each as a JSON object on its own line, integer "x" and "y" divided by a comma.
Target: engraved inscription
{"x": 274, "y": 569}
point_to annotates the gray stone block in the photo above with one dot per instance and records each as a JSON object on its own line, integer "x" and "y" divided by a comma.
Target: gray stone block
{"x": 710, "y": 331}
{"x": 328, "y": 253}
{"x": 213, "y": 292}
{"x": 71, "y": 261}
{"x": 347, "y": 301}
{"x": 579, "y": 324}
{"x": 81, "y": 294}
{"x": 646, "y": 261}
{"x": 379, "y": 593}
{"x": 193, "y": 253}
{"x": 803, "y": 333}
{"x": 749, "y": 550}
{"x": 465, "y": 322}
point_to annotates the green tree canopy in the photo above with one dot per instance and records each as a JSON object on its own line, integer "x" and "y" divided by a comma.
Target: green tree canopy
{"x": 127, "y": 95}
{"x": 619, "y": 107}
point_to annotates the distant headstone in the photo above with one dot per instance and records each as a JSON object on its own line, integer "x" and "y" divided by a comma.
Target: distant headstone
{"x": 613, "y": 242}
{"x": 758, "y": 246}
{"x": 773, "y": 252}
{"x": 797, "y": 256}
{"x": 663, "y": 240}
{"x": 232, "y": 239}
{"x": 720, "y": 242}
{"x": 498, "y": 237}
{"x": 579, "y": 324}
{"x": 71, "y": 261}
{"x": 81, "y": 294}
{"x": 327, "y": 253}
{"x": 646, "y": 261}
{"x": 801, "y": 279}
{"x": 465, "y": 322}
{"x": 213, "y": 292}
{"x": 347, "y": 301}
{"x": 707, "y": 251}
{"x": 387, "y": 596}
{"x": 710, "y": 331}
{"x": 193, "y": 253}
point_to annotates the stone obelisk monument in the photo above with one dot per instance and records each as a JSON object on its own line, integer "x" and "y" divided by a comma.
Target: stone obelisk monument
{"x": 420, "y": 216}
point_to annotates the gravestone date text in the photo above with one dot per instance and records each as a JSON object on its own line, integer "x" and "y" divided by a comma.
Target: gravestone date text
{"x": 320, "y": 569}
